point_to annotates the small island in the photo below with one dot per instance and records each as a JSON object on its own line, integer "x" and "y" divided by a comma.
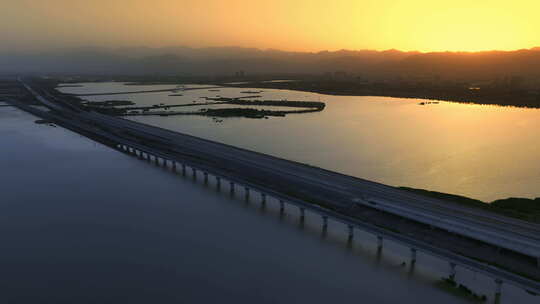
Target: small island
{"x": 117, "y": 108}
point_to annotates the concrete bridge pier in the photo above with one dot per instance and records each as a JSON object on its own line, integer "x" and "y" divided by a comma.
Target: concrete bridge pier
{"x": 379, "y": 243}
{"x": 351, "y": 233}
{"x": 247, "y": 193}
{"x": 281, "y": 207}
{"x": 205, "y": 178}
{"x": 413, "y": 255}
{"x": 325, "y": 223}
{"x": 302, "y": 214}
{"x": 194, "y": 173}
{"x": 218, "y": 183}
{"x": 232, "y": 188}
{"x": 147, "y": 157}
{"x": 263, "y": 199}
{"x": 498, "y": 288}
{"x": 452, "y": 271}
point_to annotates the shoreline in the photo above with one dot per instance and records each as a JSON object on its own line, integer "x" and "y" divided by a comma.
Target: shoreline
{"x": 498, "y": 97}
{"x": 525, "y": 209}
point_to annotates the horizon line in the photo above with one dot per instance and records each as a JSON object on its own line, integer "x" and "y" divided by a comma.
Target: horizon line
{"x": 271, "y": 49}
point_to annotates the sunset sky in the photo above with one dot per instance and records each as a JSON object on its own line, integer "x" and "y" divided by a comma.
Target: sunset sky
{"x": 300, "y": 25}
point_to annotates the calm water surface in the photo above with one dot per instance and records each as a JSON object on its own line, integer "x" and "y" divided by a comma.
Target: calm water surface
{"x": 82, "y": 223}
{"x": 484, "y": 152}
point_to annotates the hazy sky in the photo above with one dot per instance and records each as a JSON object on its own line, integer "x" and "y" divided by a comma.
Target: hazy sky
{"x": 302, "y": 25}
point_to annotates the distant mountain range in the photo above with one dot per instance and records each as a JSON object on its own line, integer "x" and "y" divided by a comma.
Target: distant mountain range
{"x": 219, "y": 61}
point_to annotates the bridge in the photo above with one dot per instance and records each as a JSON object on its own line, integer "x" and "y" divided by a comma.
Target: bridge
{"x": 320, "y": 191}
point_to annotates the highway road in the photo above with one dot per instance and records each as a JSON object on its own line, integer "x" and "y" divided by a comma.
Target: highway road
{"x": 305, "y": 184}
{"x": 315, "y": 184}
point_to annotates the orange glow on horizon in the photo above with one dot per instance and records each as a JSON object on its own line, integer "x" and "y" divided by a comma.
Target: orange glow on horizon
{"x": 301, "y": 25}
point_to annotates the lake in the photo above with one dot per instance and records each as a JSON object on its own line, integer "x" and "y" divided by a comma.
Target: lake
{"x": 483, "y": 152}
{"x": 83, "y": 223}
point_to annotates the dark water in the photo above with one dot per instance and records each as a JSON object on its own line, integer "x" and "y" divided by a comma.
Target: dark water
{"x": 81, "y": 223}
